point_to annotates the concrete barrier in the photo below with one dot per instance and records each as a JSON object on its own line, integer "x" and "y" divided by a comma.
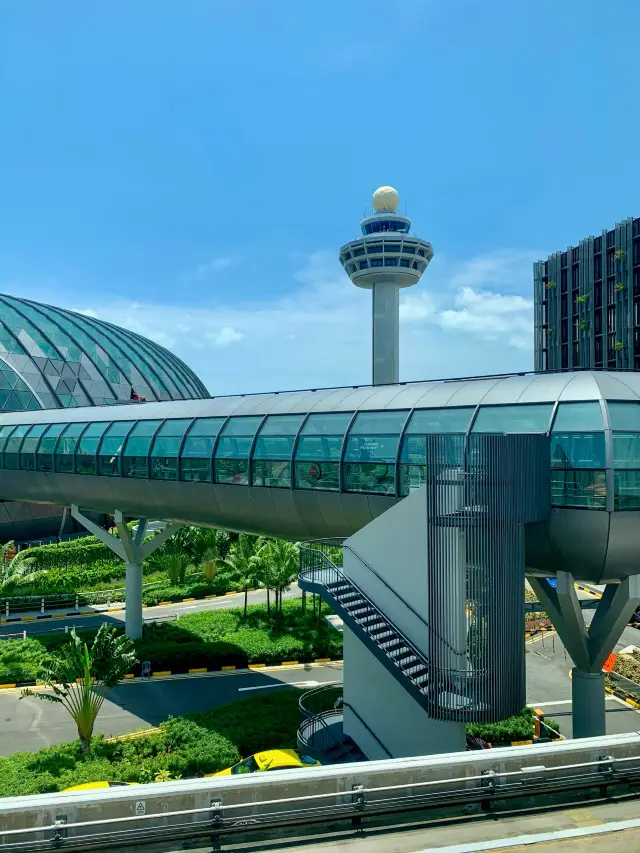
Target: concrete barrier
{"x": 222, "y": 804}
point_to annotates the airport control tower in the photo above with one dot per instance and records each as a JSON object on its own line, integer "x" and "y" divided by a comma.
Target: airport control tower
{"x": 383, "y": 260}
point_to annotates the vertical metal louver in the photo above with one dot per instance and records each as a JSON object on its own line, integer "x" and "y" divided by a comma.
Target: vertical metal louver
{"x": 480, "y": 492}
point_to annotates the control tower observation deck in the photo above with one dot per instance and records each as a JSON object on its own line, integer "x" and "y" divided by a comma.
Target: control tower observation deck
{"x": 384, "y": 259}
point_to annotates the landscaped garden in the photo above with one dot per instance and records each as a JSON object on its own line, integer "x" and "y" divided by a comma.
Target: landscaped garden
{"x": 211, "y": 639}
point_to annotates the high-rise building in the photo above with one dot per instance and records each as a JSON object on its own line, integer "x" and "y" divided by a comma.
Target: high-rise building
{"x": 385, "y": 258}
{"x": 587, "y": 303}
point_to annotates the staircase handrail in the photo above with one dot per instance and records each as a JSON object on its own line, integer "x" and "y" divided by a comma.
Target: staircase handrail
{"x": 304, "y": 546}
{"x": 321, "y": 688}
{"x": 341, "y": 576}
{"x": 373, "y": 734}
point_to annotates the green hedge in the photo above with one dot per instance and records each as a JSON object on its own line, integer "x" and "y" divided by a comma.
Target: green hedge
{"x": 518, "y": 727}
{"x": 211, "y": 638}
{"x": 187, "y": 746}
{"x": 77, "y": 552}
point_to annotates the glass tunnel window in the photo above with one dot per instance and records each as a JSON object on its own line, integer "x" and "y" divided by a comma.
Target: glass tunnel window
{"x": 135, "y": 457}
{"x": 372, "y": 448}
{"x": 232, "y": 452}
{"x": 29, "y": 445}
{"x": 317, "y": 458}
{"x": 624, "y": 419}
{"x": 196, "y": 453}
{"x": 166, "y": 446}
{"x": 271, "y": 459}
{"x": 578, "y": 456}
{"x": 510, "y": 419}
{"x": 413, "y": 451}
{"x": 47, "y": 446}
{"x": 110, "y": 450}
{"x": 87, "y": 447}
{"x": 12, "y": 447}
{"x": 5, "y": 432}
{"x": 66, "y": 447}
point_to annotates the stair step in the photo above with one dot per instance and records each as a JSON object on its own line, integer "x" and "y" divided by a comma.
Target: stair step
{"x": 349, "y": 598}
{"x": 360, "y": 610}
{"x": 379, "y": 628}
{"x": 420, "y": 680}
{"x": 399, "y": 653}
{"x": 408, "y": 660}
{"x": 392, "y": 645}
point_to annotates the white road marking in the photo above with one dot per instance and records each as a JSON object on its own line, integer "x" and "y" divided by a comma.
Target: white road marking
{"x": 549, "y": 704}
{"x": 622, "y": 702}
{"x": 282, "y": 684}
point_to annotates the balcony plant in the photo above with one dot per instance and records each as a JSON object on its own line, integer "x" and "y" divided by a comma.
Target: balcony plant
{"x": 618, "y": 346}
{"x": 620, "y": 285}
{"x": 619, "y": 255}
{"x": 549, "y": 285}
{"x": 582, "y": 298}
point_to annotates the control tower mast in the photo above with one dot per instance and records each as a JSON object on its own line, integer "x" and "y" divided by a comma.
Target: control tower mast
{"x": 383, "y": 260}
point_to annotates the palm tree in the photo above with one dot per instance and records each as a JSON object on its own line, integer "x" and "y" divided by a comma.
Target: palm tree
{"x": 279, "y": 561}
{"x": 209, "y": 563}
{"x": 80, "y": 676}
{"x": 242, "y": 560}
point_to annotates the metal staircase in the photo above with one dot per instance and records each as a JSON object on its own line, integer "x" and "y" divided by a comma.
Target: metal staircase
{"x": 391, "y": 647}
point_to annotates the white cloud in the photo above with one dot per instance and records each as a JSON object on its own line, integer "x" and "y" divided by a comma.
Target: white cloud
{"x": 225, "y": 336}
{"x": 213, "y": 266}
{"x": 464, "y": 318}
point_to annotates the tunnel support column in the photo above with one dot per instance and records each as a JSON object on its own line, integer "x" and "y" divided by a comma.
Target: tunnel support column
{"x": 590, "y": 646}
{"x": 133, "y": 550}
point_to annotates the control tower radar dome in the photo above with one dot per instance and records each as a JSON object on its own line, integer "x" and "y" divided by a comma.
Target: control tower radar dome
{"x": 385, "y": 199}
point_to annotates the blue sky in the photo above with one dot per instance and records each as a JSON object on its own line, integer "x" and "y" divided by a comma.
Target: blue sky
{"x": 190, "y": 169}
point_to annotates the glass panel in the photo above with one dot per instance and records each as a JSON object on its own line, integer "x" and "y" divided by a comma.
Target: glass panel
{"x": 44, "y": 455}
{"x": 236, "y": 438}
{"x": 626, "y": 450}
{"x": 29, "y": 445}
{"x": 577, "y": 450}
{"x": 136, "y": 451}
{"x": 317, "y": 475}
{"x": 412, "y": 477}
{"x": 578, "y": 417}
{"x": 195, "y": 458}
{"x": 66, "y": 448}
{"x": 321, "y": 439}
{"x": 624, "y": 416}
{"x": 626, "y": 493}
{"x": 276, "y": 438}
{"x": 12, "y": 447}
{"x": 379, "y": 478}
{"x": 88, "y": 447}
{"x": 440, "y": 420}
{"x": 578, "y": 488}
{"x": 5, "y": 432}
{"x": 510, "y": 419}
{"x": 273, "y": 473}
{"x": 374, "y": 437}
{"x": 164, "y": 453}
{"x": 232, "y": 471}
{"x": 111, "y": 448}
{"x": 414, "y": 450}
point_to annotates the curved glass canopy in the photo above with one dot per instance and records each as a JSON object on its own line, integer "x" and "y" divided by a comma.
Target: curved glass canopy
{"x": 370, "y": 452}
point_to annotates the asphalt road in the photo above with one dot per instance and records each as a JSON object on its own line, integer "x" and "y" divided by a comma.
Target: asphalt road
{"x": 31, "y": 723}
{"x": 48, "y": 626}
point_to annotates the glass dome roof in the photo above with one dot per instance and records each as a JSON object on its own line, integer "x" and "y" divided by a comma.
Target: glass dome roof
{"x": 53, "y": 358}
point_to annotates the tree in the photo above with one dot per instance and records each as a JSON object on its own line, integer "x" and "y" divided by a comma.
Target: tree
{"x": 80, "y": 676}
{"x": 279, "y": 560}
{"x": 242, "y": 560}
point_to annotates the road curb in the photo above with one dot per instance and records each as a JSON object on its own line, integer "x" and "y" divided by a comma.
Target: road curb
{"x": 626, "y": 697}
{"x": 166, "y": 673}
{"x": 77, "y": 613}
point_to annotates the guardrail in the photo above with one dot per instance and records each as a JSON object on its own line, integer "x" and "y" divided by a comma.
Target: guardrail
{"x": 230, "y": 806}
{"x": 61, "y": 601}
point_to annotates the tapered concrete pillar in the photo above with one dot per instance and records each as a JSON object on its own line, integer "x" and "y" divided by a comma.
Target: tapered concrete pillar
{"x": 590, "y": 646}
{"x": 133, "y": 551}
{"x": 133, "y": 601}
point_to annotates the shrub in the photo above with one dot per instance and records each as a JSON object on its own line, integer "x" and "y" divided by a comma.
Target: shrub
{"x": 187, "y": 746}
{"x": 518, "y": 727}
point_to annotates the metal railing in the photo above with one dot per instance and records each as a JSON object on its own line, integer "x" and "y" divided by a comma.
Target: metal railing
{"x": 317, "y": 728}
{"x": 265, "y": 803}
{"x": 60, "y": 601}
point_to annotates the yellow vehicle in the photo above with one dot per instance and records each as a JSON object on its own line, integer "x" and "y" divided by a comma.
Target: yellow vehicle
{"x": 91, "y": 786}
{"x": 272, "y": 759}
